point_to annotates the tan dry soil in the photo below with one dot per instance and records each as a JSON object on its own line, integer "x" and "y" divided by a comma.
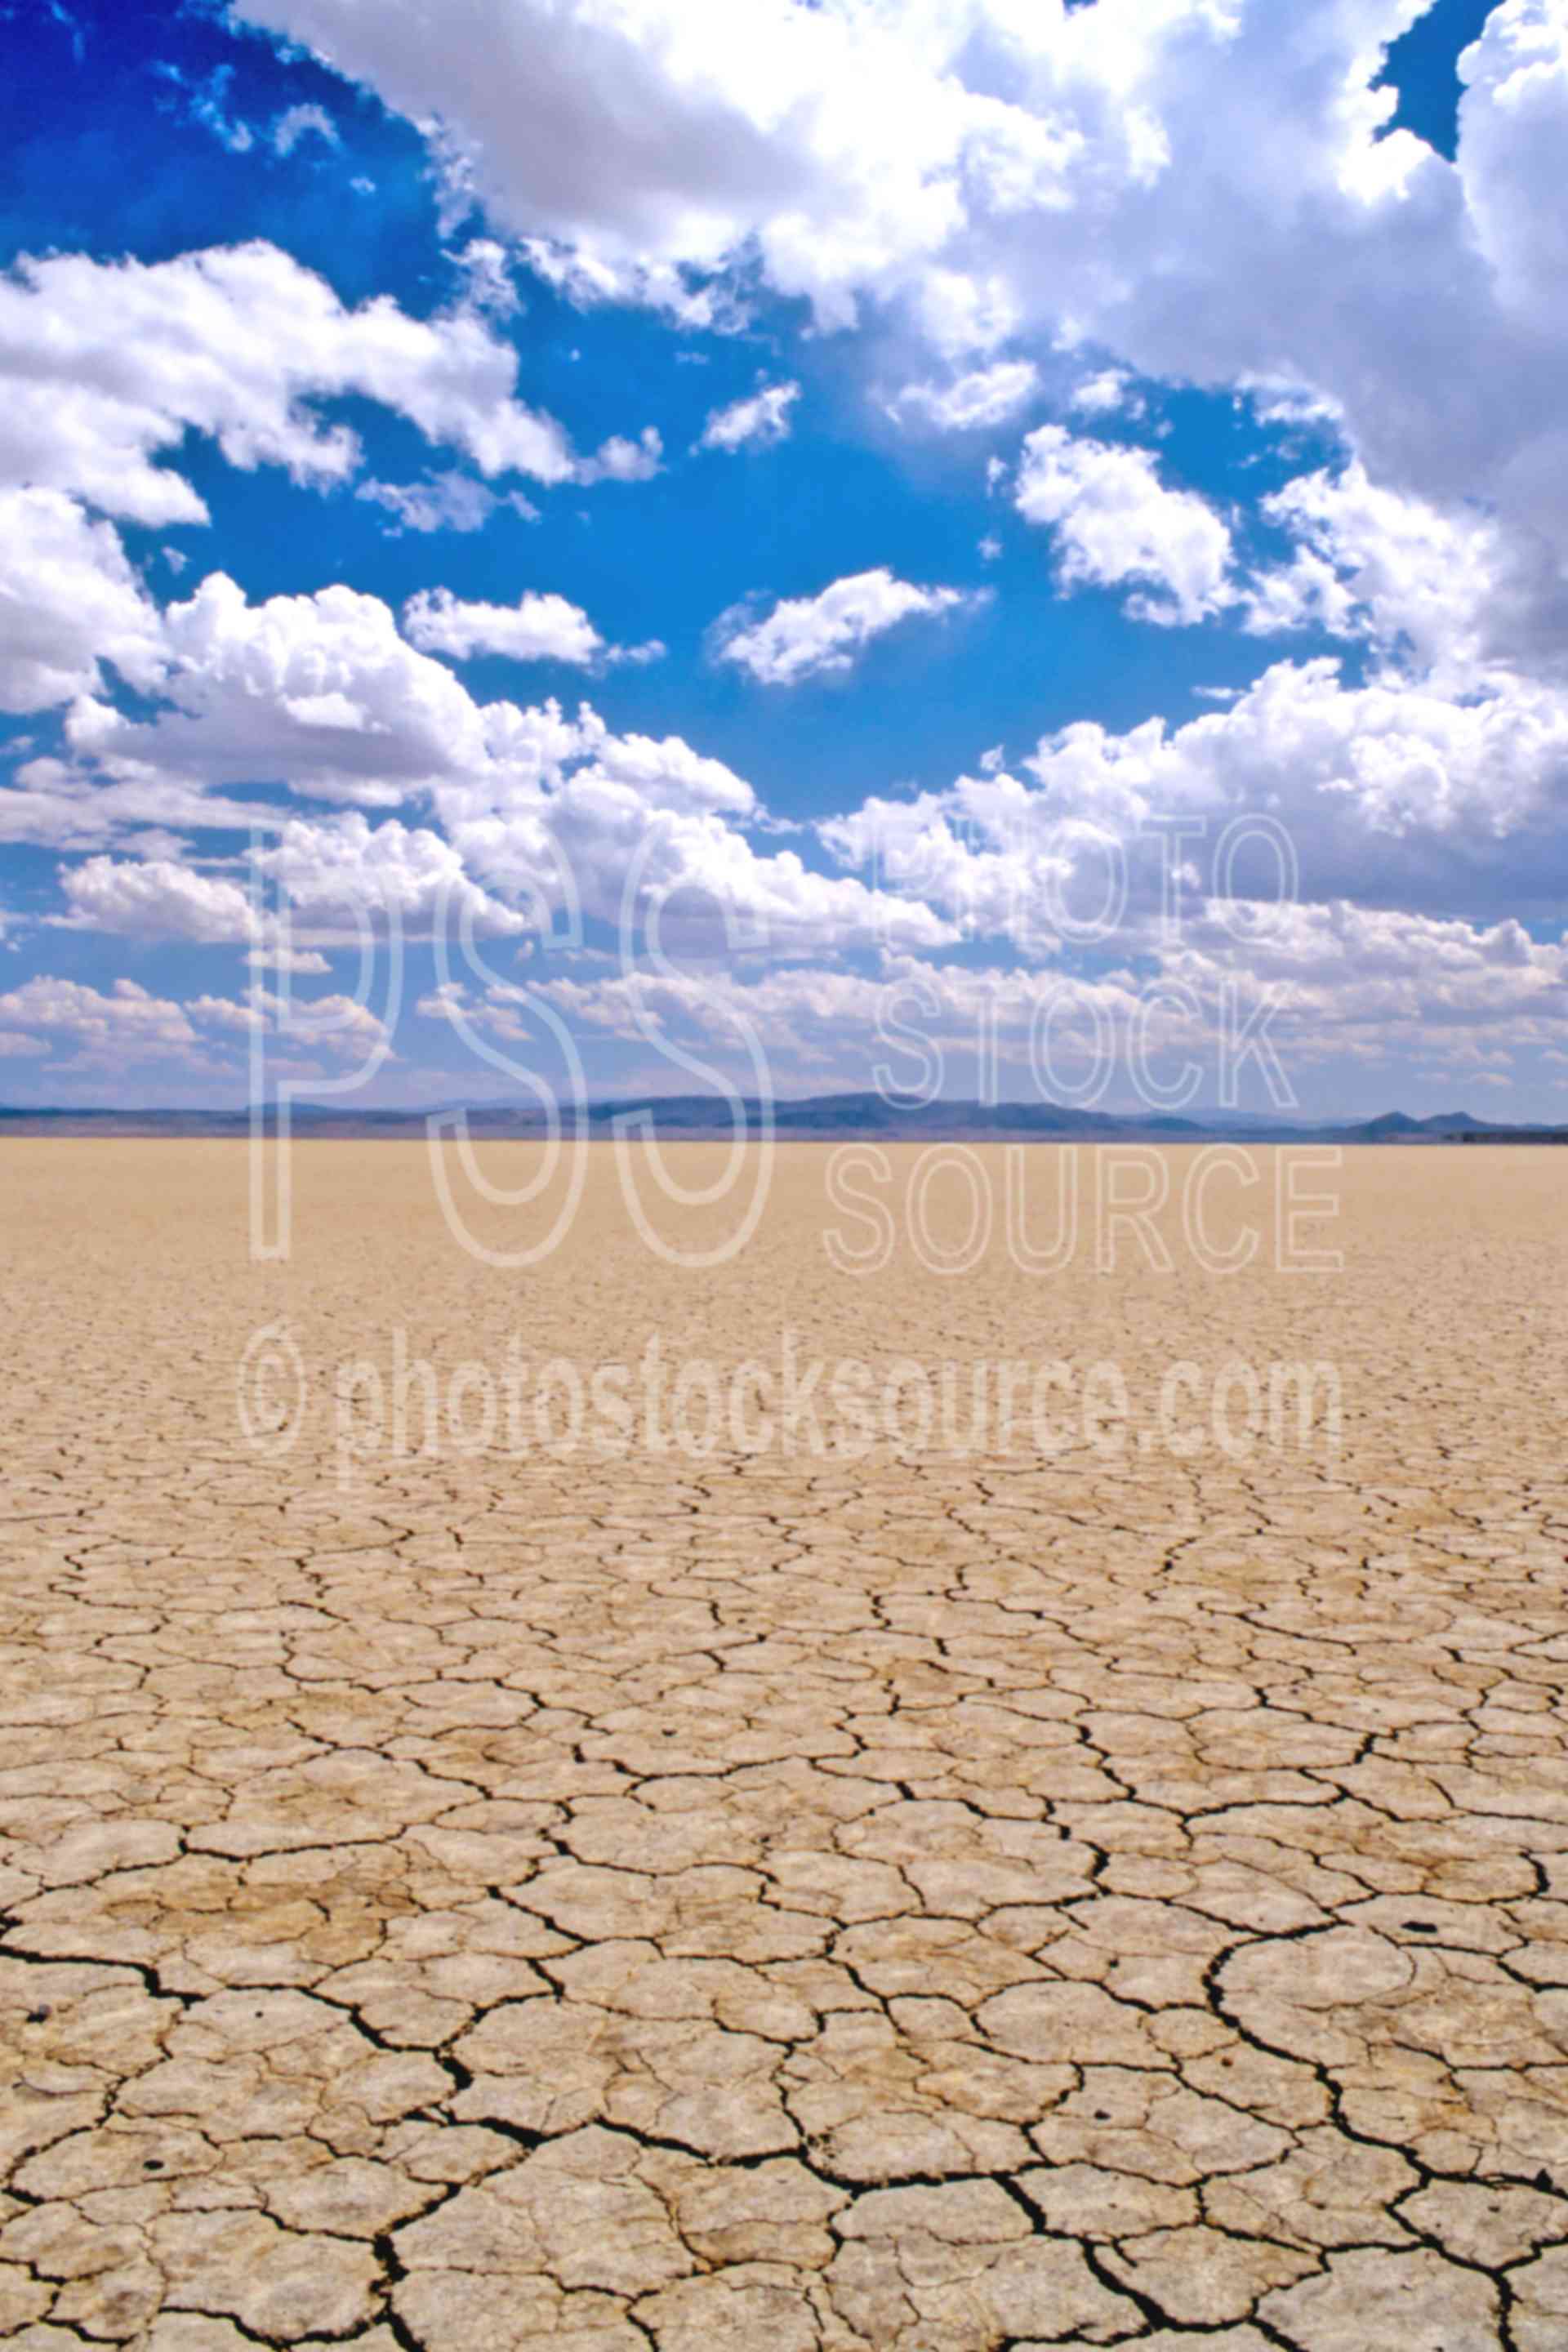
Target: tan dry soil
{"x": 754, "y": 1902}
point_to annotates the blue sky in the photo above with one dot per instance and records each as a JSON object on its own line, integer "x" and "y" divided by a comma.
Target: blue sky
{"x": 791, "y": 501}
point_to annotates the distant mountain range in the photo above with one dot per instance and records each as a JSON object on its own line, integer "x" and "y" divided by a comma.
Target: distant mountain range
{"x": 841, "y": 1118}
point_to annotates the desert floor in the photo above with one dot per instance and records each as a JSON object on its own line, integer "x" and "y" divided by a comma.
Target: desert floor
{"x": 752, "y": 1896}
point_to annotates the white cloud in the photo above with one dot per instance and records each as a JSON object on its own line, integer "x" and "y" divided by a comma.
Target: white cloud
{"x": 158, "y": 899}
{"x": 1450, "y": 591}
{"x": 287, "y": 959}
{"x": 299, "y": 123}
{"x": 985, "y": 397}
{"x": 536, "y": 628}
{"x": 623, "y": 460}
{"x": 337, "y": 1024}
{"x": 1375, "y": 980}
{"x": 127, "y": 1022}
{"x": 206, "y": 102}
{"x": 1199, "y": 190}
{"x": 345, "y": 866}
{"x": 68, "y": 601}
{"x": 1343, "y": 985}
{"x": 324, "y": 878}
{"x": 127, "y": 1018}
{"x": 317, "y": 690}
{"x": 443, "y": 1002}
{"x": 1365, "y": 768}
{"x": 534, "y": 808}
{"x": 499, "y": 1011}
{"x": 638, "y": 150}
{"x": 621, "y": 823}
{"x": 486, "y": 267}
{"x": 813, "y": 636}
{"x": 448, "y": 501}
{"x": 627, "y": 822}
{"x": 588, "y": 280}
{"x": 1513, "y": 117}
{"x": 64, "y": 806}
{"x": 1105, "y": 393}
{"x": 1391, "y": 791}
{"x": 1115, "y": 522}
{"x": 1308, "y": 593}
{"x": 105, "y": 365}
{"x": 763, "y": 418}
{"x": 1403, "y": 787}
{"x": 225, "y": 1012}
{"x": 817, "y": 1014}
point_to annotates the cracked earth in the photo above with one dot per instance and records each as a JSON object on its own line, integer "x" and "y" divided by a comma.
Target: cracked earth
{"x": 756, "y": 1905}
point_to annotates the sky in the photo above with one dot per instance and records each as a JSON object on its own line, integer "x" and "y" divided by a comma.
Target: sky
{"x": 975, "y": 547}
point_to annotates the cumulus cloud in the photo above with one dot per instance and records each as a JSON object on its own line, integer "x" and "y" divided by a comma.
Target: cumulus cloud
{"x": 1044, "y": 183}
{"x": 69, "y": 600}
{"x": 206, "y": 102}
{"x": 486, "y": 268}
{"x": 528, "y": 808}
{"x": 1115, "y": 522}
{"x": 1399, "y": 788}
{"x": 985, "y": 397}
{"x": 591, "y": 279}
{"x": 1450, "y": 591}
{"x": 1389, "y": 791}
{"x": 1052, "y": 171}
{"x": 282, "y": 958}
{"x": 813, "y": 636}
{"x": 62, "y": 805}
{"x": 126, "y": 1020}
{"x": 1396, "y": 789}
{"x": 536, "y": 628}
{"x": 620, "y": 460}
{"x": 763, "y": 418}
{"x": 567, "y": 812}
{"x": 1343, "y": 985}
{"x": 126, "y": 1016}
{"x": 334, "y": 1022}
{"x": 448, "y": 501}
{"x": 128, "y": 1023}
{"x": 820, "y": 1020}
{"x": 646, "y": 148}
{"x": 1512, "y": 118}
{"x": 345, "y": 867}
{"x": 1373, "y": 982}
{"x": 297, "y": 123}
{"x": 320, "y": 691}
{"x": 324, "y": 879}
{"x": 104, "y": 366}
{"x": 1105, "y": 393}
{"x": 498, "y": 1011}
{"x": 158, "y": 899}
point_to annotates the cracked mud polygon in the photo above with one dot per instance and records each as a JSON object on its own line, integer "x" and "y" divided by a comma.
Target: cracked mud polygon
{"x": 898, "y": 1904}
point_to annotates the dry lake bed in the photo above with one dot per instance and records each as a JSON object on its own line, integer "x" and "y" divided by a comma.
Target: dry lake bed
{"x": 896, "y": 1791}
